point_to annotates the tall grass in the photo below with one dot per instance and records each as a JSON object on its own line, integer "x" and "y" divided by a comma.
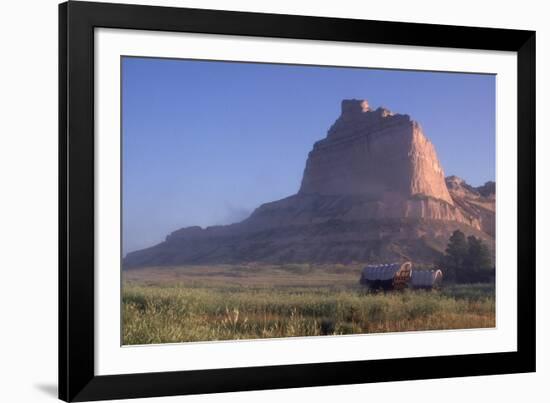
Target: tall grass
{"x": 183, "y": 312}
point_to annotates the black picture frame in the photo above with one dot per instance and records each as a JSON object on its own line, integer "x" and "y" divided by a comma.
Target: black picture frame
{"x": 77, "y": 21}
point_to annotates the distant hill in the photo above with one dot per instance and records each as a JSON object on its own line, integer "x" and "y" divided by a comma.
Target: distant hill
{"x": 373, "y": 190}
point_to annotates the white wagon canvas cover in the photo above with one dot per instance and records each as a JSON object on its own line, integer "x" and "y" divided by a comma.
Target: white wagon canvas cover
{"x": 399, "y": 275}
{"x": 426, "y": 278}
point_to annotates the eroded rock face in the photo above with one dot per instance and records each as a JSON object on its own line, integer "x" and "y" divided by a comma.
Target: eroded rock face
{"x": 373, "y": 190}
{"x": 476, "y": 202}
{"x": 375, "y": 153}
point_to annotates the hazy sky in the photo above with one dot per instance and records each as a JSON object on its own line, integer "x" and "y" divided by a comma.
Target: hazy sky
{"x": 204, "y": 143}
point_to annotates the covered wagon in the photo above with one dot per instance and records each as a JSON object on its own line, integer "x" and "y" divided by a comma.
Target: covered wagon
{"x": 393, "y": 276}
{"x": 427, "y": 279}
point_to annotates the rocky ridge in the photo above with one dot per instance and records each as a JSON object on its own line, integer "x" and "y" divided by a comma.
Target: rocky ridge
{"x": 372, "y": 190}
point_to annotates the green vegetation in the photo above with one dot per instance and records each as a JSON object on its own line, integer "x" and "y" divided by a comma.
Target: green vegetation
{"x": 178, "y": 305}
{"x": 467, "y": 260}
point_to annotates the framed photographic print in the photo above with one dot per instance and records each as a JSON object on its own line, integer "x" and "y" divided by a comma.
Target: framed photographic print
{"x": 257, "y": 201}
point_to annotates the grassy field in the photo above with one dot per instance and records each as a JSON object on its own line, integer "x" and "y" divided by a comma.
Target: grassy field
{"x": 182, "y": 304}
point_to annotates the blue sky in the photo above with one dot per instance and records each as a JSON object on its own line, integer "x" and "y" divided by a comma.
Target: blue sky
{"x": 204, "y": 143}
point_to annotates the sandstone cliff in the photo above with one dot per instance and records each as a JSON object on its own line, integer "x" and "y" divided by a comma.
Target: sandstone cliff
{"x": 376, "y": 153}
{"x": 373, "y": 190}
{"x": 476, "y": 202}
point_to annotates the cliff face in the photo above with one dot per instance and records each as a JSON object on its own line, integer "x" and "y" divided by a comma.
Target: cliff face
{"x": 384, "y": 158}
{"x": 479, "y": 202}
{"x": 372, "y": 190}
{"x": 375, "y": 153}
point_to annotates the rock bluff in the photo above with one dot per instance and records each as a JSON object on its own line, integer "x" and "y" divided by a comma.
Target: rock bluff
{"x": 372, "y": 190}
{"x": 375, "y": 153}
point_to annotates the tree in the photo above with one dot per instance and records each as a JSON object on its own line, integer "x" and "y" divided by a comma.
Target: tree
{"x": 478, "y": 261}
{"x": 456, "y": 252}
{"x": 467, "y": 260}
